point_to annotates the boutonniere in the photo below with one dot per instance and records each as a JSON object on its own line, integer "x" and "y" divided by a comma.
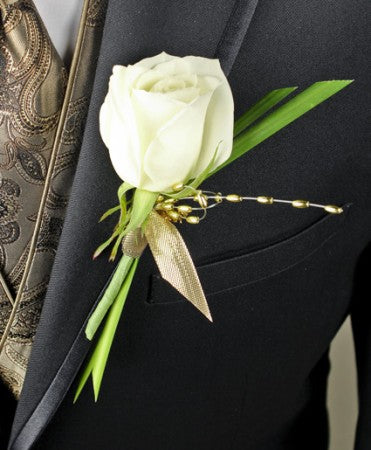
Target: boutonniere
{"x": 168, "y": 123}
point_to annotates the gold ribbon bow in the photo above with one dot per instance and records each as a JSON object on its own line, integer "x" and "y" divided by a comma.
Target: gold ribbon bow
{"x": 172, "y": 258}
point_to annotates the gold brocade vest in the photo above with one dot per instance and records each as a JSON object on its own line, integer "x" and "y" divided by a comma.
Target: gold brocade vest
{"x": 42, "y": 117}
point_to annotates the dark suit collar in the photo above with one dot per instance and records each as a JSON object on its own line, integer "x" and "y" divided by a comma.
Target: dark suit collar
{"x": 132, "y": 31}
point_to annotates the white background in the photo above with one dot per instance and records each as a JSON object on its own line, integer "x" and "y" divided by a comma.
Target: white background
{"x": 342, "y": 391}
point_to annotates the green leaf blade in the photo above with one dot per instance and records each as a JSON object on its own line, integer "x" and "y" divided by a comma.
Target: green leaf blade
{"x": 121, "y": 194}
{"x": 109, "y": 213}
{"x": 105, "y": 244}
{"x": 283, "y": 116}
{"x": 84, "y": 378}
{"x": 261, "y": 107}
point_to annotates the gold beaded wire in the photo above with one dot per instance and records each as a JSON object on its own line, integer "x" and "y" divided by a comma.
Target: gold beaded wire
{"x": 171, "y": 210}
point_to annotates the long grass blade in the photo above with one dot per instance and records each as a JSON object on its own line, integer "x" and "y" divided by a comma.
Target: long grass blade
{"x": 261, "y": 107}
{"x": 104, "y": 344}
{"x": 284, "y": 115}
{"x": 84, "y": 378}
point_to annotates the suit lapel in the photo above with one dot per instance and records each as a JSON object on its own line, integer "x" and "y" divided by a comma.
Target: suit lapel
{"x": 131, "y": 32}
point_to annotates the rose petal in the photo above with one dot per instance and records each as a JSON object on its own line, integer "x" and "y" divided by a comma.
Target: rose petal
{"x": 186, "y": 95}
{"x": 118, "y": 130}
{"x": 218, "y": 130}
{"x": 191, "y": 64}
{"x": 174, "y": 151}
{"x": 179, "y": 126}
{"x": 152, "y": 112}
{"x": 149, "y": 63}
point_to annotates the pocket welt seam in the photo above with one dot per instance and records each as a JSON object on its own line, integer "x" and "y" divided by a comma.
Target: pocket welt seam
{"x": 248, "y": 259}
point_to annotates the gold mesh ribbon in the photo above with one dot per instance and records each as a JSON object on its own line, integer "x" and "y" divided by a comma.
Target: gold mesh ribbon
{"x": 172, "y": 258}
{"x": 134, "y": 243}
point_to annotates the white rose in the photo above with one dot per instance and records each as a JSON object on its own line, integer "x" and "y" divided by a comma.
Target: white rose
{"x": 163, "y": 119}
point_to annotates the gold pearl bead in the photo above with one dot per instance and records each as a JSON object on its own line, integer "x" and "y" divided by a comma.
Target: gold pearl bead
{"x": 193, "y": 220}
{"x": 177, "y": 187}
{"x": 265, "y": 200}
{"x": 174, "y": 215}
{"x": 160, "y": 199}
{"x": 300, "y": 204}
{"x": 167, "y": 206}
{"x": 333, "y": 209}
{"x": 218, "y": 197}
{"x": 234, "y": 198}
{"x": 184, "y": 209}
{"x": 201, "y": 199}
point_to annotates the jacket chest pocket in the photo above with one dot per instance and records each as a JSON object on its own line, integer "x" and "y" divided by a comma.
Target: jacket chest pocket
{"x": 232, "y": 273}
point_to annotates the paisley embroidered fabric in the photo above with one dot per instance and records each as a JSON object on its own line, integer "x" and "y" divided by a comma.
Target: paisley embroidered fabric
{"x": 42, "y": 116}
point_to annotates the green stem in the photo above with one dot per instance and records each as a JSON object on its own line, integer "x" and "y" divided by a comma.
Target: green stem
{"x": 105, "y": 340}
{"x": 98, "y": 360}
{"x": 109, "y": 295}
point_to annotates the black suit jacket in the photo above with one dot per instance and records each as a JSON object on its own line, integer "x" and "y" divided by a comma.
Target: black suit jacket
{"x": 279, "y": 282}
